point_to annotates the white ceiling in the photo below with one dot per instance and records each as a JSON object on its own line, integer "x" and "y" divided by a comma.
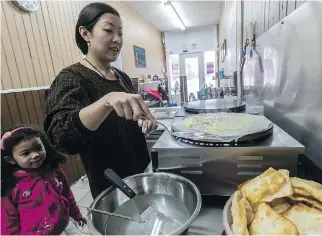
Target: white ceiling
{"x": 192, "y": 13}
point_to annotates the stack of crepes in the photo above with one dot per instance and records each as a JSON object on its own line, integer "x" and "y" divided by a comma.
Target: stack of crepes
{"x": 275, "y": 204}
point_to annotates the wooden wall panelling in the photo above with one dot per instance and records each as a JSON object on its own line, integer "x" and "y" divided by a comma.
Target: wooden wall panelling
{"x": 2, "y": 129}
{"x": 64, "y": 167}
{"x": 22, "y": 106}
{"x": 78, "y": 8}
{"x": 80, "y": 166}
{"x": 61, "y": 24}
{"x": 33, "y": 49}
{"x": 47, "y": 7}
{"x": 13, "y": 108}
{"x": 74, "y": 166}
{"x": 73, "y": 17}
{"x": 46, "y": 42}
{"x": 69, "y": 21}
{"x": 42, "y": 96}
{"x": 38, "y": 108}
{"x": 73, "y": 8}
{"x": 31, "y": 108}
{"x": 26, "y": 52}
{"x": 69, "y": 168}
{"x": 40, "y": 60}
{"x": 77, "y": 170}
{"x": 68, "y": 29}
{"x": 47, "y": 35}
{"x": 55, "y": 12}
{"x": 5, "y": 114}
{"x": 12, "y": 48}
{"x": 6, "y": 80}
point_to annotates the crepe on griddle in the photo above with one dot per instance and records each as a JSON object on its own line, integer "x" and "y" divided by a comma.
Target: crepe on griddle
{"x": 270, "y": 185}
{"x": 268, "y": 222}
{"x": 307, "y": 188}
{"x": 238, "y": 212}
{"x": 308, "y": 220}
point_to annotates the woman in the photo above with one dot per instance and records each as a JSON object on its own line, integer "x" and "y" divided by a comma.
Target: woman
{"x": 92, "y": 108}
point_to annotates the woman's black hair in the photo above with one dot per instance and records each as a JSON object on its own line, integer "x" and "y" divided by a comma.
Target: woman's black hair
{"x": 88, "y": 17}
{"x": 52, "y": 161}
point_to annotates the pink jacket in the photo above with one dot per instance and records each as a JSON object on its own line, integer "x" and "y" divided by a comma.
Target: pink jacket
{"x": 38, "y": 204}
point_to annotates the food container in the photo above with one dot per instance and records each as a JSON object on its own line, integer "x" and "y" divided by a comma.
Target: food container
{"x": 147, "y": 183}
{"x": 227, "y": 218}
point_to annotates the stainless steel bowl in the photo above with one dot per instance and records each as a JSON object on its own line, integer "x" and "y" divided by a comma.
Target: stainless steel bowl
{"x": 147, "y": 183}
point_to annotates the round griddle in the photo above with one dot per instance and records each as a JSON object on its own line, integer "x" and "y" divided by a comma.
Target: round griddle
{"x": 215, "y": 105}
{"x": 234, "y": 128}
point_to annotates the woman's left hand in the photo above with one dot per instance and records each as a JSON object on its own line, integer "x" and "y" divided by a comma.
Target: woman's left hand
{"x": 147, "y": 126}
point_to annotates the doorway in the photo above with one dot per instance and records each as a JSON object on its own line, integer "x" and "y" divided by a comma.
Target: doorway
{"x": 193, "y": 70}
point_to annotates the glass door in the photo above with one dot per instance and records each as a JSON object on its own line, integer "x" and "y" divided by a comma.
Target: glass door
{"x": 192, "y": 68}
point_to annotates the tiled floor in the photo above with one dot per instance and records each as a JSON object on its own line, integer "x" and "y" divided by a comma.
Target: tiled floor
{"x": 83, "y": 198}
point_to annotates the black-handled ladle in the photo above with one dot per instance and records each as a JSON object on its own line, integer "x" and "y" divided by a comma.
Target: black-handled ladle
{"x": 144, "y": 209}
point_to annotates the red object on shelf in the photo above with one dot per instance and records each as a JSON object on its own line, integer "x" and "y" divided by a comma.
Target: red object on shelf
{"x": 223, "y": 233}
{"x": 154, "y": 93}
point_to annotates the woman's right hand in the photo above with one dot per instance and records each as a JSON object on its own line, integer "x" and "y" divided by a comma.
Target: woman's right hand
{"x": 130, "y": 106}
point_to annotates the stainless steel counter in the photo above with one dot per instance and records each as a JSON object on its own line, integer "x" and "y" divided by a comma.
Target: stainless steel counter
{"x": 209, "y": 221}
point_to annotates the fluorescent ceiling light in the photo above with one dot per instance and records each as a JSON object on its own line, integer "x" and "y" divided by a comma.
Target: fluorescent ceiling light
{"x": 173, "y": 15}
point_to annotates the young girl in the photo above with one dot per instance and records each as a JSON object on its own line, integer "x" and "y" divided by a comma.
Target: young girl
{"x": 35, "y": 194}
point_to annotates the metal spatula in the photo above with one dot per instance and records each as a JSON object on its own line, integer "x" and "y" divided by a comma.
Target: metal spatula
{"x": 144, "y": 209}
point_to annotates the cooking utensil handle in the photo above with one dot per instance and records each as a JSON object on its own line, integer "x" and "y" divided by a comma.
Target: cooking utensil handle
{"x": 119, "y": 183}
{"x": 113, "y": 214}
{"x": 155, "y": 160}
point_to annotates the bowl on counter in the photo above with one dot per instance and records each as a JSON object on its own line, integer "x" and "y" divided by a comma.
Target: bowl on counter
{"x": 147, "y": 184}
{"x": 227, "y": 219}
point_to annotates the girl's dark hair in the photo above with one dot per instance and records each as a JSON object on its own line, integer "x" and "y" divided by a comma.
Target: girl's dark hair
{"x": 88, "y": 17}
{"x": 53, "y": 157}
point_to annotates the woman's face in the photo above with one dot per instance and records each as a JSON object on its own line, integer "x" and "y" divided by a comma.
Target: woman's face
{"x": 106, "y": 38}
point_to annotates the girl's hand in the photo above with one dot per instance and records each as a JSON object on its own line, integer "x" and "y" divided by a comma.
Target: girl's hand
{"x": 130, "y": 106}
{"x": 81, "y": 222}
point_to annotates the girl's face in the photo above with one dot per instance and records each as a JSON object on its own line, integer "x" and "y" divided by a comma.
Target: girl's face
{"x": 29, "y": 154}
